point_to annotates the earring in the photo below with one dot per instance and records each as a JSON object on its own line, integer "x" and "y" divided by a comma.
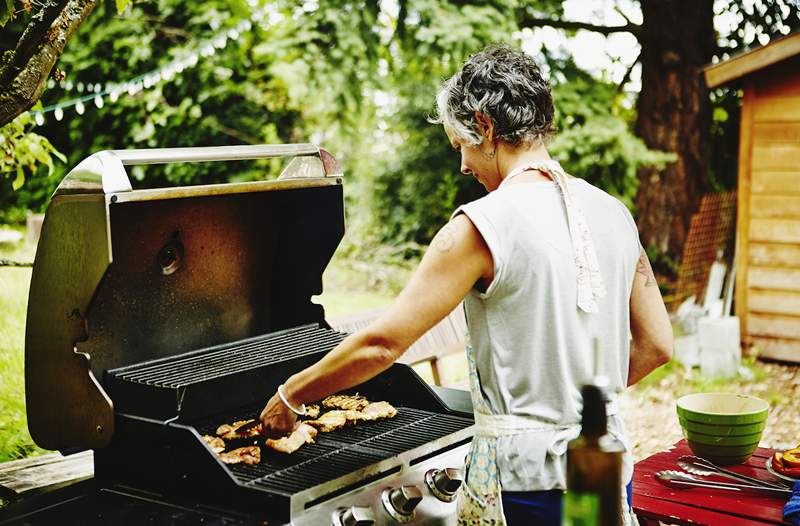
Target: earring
{"x": 488, "y": 155}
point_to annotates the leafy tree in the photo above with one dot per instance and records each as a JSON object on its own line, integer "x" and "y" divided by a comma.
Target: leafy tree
{"x": 674, "y": 112}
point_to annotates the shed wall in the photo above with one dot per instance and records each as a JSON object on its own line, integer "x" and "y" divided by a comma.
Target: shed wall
{"x": 768, "y": 273}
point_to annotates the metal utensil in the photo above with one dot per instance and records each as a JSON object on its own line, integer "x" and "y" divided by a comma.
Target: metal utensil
{"x": 678, "y": 478}
{"x": 703, "y": 467}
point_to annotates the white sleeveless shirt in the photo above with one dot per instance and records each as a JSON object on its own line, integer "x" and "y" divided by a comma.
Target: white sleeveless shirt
{"x": 533, "y": 344}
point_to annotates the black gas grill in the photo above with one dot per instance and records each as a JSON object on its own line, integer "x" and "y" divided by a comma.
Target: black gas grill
{"x": 157, "y": 315}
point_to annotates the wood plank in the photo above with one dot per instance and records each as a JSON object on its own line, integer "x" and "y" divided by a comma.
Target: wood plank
{"x": 785, "y": 350}
{"x": 775, "y": 206}
{"x": 741, "y": 249}
{"x": 774, "y": 302}
{"x": 781, "y": 183}
{"x": 774, "y": 325}
{"x": 777, "y": 109}
{"x": 779, "y": 82}
{"x": 774, "y": 254}
{"x": 749, "y": 62}
{"x": 46, "y": 471}
{"x": 778, "y": 279}
{"x": 775, "y": 230}
{"x": 771, "y": 133}
{"x": 779, "y": 158}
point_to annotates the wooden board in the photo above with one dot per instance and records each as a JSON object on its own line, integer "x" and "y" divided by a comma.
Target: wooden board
{"x": 777, "y": 109}
{"x": 781, "y": 279}
{"x": 775, "y": 206}
{"x": 777, "y": 183}
{"x": 776, "y": 230}
{"x": 743, "y": 208}
{"x": 779, "y": 158}
{"x": 770, "y": 133}
{"x": 775, "y": 302}
{"x": 774, "y": 325}
{"x": 760, "y": 60}
{"x": 785, "y": 350}
{"x": 45, "y": 472}
{"x": 774, "y": 254}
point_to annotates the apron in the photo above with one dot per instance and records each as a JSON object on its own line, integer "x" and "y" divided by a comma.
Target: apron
{"x": 480, "y": 501}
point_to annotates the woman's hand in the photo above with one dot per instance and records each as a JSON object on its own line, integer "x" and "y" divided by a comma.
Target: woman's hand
{"x": 277, "y": 420}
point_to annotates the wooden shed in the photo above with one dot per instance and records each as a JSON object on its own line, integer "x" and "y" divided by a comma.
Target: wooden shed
{"x": 768, "y": 222}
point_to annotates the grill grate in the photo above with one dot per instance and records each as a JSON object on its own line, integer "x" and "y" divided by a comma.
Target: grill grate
{"x": 230, "y": 359}
{"x": 343, "y": 451}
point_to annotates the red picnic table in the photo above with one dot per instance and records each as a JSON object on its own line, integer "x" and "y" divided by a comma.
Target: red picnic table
{"x": 654, "y": 502}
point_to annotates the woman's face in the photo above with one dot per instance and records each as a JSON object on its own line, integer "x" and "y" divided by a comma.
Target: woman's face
{"x": 474, "y": 162}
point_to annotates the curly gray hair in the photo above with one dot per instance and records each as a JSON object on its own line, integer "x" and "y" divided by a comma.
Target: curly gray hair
{"x": 507, "y": 86}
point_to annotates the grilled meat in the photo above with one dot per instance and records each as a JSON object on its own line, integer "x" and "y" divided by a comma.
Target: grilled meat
{"x": 377, "y": 411}
{"x": 231, "y": 431}
{"x": 330, "y": 421}
{"x": 302, "y": 434}
{"x": 247, "y": 455}
{"x": 337, "y": 419}
{"x": 354, "y": 402}
{"x": 312, "y": 411}
{"x": 216, "y": 444}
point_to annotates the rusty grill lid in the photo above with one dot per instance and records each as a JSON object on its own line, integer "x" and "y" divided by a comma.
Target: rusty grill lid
{"x": 122, "y": 276}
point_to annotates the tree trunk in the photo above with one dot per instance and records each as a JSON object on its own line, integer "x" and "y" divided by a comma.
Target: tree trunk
{"x": 22, "y": 79}
{"x": 677, "y": 39}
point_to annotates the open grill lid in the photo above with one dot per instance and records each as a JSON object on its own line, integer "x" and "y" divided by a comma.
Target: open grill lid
{"x": 122, "y": 276}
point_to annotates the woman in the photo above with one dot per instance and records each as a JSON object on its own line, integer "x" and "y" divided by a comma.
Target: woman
{"x": 546, "y": 264}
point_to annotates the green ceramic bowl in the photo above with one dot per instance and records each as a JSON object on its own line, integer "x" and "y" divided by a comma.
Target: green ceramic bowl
{"x": 725, "y": 428}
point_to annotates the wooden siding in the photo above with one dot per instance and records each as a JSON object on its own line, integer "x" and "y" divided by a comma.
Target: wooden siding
{"x": 768, "y": 226}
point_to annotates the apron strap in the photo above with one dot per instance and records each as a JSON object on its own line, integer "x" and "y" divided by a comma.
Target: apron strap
{"x": 587, "y": 269}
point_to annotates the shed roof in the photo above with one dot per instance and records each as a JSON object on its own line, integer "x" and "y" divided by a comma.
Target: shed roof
{"x": 752, "y": 61}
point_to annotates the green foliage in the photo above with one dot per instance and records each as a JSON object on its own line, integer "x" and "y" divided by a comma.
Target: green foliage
{"x": 606, "y": 153}
{"x": 15, "y": 442}
{"x": 22, "y": 151}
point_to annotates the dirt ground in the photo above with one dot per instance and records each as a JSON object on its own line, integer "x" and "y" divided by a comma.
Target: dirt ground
{"x": 652, "y": 422}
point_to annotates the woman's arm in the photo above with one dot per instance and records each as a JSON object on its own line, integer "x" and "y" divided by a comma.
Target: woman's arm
{"x": 457, "y": 258}
{"x": 650, "y": 326}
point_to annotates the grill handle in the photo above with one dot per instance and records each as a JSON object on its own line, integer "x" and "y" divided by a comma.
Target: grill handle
{"x": 213, "y": 153}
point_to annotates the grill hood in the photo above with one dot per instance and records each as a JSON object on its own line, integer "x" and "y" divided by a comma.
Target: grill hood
{"x": 123, "y": 276}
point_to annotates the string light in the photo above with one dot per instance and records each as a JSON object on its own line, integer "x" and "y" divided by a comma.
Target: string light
{"x": 96, "y": 92}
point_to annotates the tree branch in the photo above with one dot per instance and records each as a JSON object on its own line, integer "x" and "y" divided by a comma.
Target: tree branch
{"x": 22, "y": 79}
{"x": 525, "y": 19}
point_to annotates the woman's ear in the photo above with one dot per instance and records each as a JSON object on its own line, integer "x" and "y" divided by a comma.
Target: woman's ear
{"x": 485, "y": 125}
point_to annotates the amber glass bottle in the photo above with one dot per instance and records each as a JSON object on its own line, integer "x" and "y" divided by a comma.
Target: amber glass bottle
{"x": 594, "y": 464}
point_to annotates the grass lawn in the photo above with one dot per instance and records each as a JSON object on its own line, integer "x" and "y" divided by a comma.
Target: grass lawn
{"x": 15, "y": 442}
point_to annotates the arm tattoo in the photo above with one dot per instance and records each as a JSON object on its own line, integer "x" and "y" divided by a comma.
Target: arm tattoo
{"x": 643, "y": 267}
{"x": 444, "y": 241}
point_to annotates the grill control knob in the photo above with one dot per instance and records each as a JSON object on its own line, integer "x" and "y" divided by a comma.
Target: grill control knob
{"x": 400, "y": 503}
{"x": 353, "y": 516}
{"x": 444, "y": 483}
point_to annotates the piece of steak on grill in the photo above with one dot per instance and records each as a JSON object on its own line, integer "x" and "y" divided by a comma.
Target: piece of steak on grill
{"x": 303, "y": 434}
{"x": 216, "y": 444}
{"x": 354, "y": 402}
{"x": 231, "y": 431}
{"x": 247, "y": 455}
{"x": 330, "y": 421}
{"x": 312, "y": 411}
{"x": 377, "y": 411}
